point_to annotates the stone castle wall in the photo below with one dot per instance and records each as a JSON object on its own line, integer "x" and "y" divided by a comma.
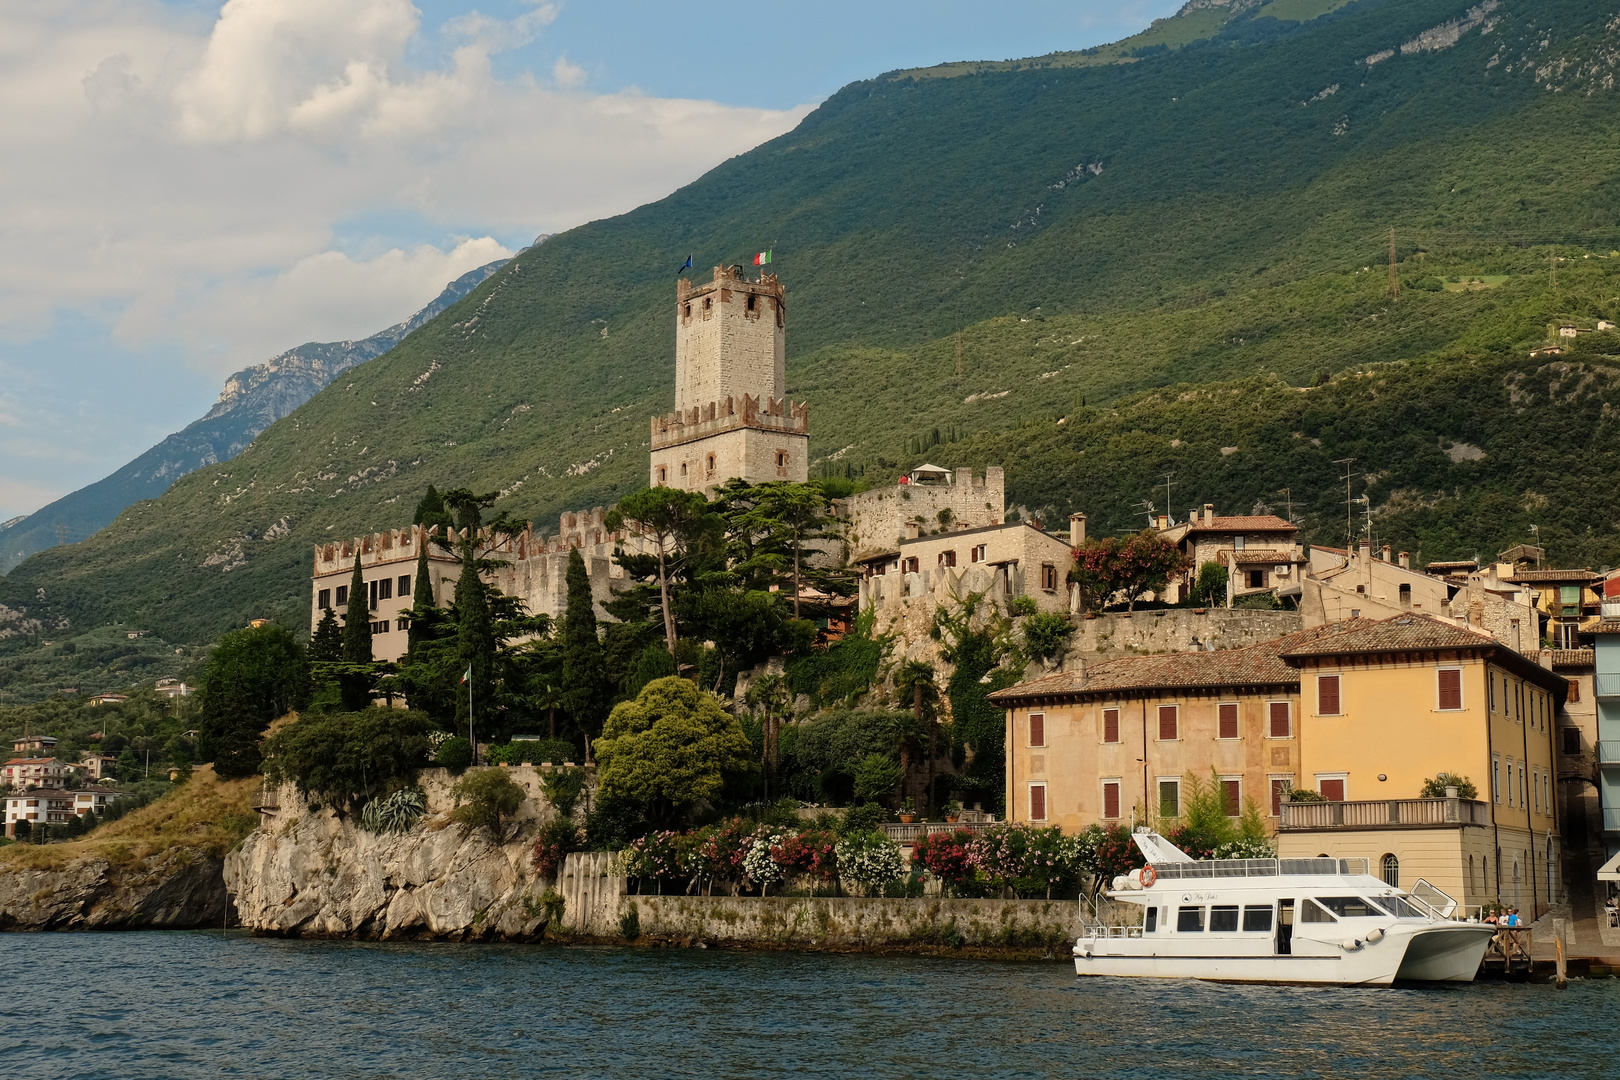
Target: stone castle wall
{"x": 877, "y": 518}
{"x": 722, "y": 348}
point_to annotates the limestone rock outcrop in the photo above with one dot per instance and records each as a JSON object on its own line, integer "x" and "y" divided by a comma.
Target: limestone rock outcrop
{"x": 178, "y": 889}
{"x": 312, "y": 873}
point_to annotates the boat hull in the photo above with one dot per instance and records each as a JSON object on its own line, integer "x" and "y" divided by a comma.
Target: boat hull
{"x": 1349, "y": 970}
{"x": 1445, "y": 954}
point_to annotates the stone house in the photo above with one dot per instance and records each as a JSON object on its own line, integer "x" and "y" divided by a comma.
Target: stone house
{"x": 1578, "y": 763}
{"x": 925, "y": 501}
{"x": 1568, "y": 601}
{"x": 1260, "y": 551}
{"x": 1357, "y": 584}
{"x": 999, "y": 561}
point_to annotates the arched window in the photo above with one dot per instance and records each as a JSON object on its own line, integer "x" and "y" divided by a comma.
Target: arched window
{"x": 750, "y": 301}
{"x": 1392, "y": 871}
{"x": 663, "y": 474}
{"x": 709, "y": 463}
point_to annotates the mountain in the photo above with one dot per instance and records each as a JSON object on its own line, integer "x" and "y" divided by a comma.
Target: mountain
{"x": 1156, "y": 246}
{"x": 252, "y": 400}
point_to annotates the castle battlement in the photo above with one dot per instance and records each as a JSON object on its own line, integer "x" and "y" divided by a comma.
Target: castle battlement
{"x": 583, "y": 529}
{"x": 687, "y": 425}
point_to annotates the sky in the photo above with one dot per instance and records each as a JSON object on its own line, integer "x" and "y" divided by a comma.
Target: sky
{"x": 188, "y": 188}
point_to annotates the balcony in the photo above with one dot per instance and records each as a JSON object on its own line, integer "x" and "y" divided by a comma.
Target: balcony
{"x": 1606, "y": 685}
{"x": 1611, "y": 609}
{"x": 1608, "y": 752}
{"x": 1611, "y": 819}
{"x": 1382, "y": 814}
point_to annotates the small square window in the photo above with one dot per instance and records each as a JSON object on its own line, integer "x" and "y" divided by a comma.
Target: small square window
{"x": 342, "y": 595}
{"x": 1227, "y": 716}
{"x": 404, "y": 586}
{"x": 1111, "y": 725}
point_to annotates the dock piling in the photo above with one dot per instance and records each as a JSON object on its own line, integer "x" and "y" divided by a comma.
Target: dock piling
{"x": 1560, "y": 932}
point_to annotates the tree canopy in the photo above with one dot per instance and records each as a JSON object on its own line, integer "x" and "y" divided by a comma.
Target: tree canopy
{"x": 669, "y": 749}
{"x": 253, "y": 676}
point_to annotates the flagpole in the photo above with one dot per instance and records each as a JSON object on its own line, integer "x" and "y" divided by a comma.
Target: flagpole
{"x": 470, "y": 737}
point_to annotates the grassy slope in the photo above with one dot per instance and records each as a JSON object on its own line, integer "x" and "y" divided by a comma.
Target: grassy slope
{"x": 1221, "y": 238}
{"x": 207, "y": 814}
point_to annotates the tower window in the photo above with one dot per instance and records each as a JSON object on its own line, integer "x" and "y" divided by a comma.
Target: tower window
{"x": 688, "y": 311}
{"x": 663, "y": 473}
{"x": 683, "y": 468}
{"x": 708, "y": 301}
{"x": 781, "y": 459}
{"x": 751, "y": 300}
{"x": 708, "y": 464}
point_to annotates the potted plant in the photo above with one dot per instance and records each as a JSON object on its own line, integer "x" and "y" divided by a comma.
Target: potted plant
{"x": 953, "y": 811}
{"x": 908, "y": 812}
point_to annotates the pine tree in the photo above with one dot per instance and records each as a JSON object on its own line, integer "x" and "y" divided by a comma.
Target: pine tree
{"x": 357, "y": 641}
{"x": 582, "y": 680}
{"x": 326, "y": 644}
{"x": 475, "y": 638}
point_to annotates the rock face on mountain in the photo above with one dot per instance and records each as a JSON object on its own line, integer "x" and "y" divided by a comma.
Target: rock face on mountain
{"x": 252, "y": 400}
{"x": 179, "y": 889}
{"x": 311, "y": 873}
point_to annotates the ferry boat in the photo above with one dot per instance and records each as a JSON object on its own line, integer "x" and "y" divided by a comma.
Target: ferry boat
{"x": 1278, "y": 920}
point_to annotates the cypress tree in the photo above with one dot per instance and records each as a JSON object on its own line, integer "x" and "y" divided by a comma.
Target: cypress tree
{"x": 582, "y": 678}
{"x": 475, "y": 638}
{"x": 357, "y": 641}
{"x": 421, "y": 596}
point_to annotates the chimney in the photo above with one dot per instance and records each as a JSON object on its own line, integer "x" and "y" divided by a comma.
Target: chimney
{"x": 1163, "y": 521}
{"x": 1406, "y": 560}
{"x": 1209, "y": 513}
{"x": 1366, "y": 550}
{"x": 1077, "y": 529}
{"x": 1386, "y": 553}
{"x": 912, "y": 529}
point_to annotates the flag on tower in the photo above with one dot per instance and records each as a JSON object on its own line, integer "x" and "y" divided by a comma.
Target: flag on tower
{"x": 685, "y": 268}
{"x": 762, "y": 259}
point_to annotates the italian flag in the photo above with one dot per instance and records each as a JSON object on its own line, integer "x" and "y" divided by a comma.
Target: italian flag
{"x": 468, "y": 676}
{"x": 762, "y": 259}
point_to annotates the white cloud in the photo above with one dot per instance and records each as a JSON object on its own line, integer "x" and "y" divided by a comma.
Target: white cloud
{"x": 185, "y": 181}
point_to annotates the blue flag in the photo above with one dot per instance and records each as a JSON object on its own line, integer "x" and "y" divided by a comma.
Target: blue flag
{"x": 685, "y": 268}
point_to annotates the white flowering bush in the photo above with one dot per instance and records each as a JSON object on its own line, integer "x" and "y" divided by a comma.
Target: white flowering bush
{"x": 870, "y": 860}
{"x": 761, "y": 864}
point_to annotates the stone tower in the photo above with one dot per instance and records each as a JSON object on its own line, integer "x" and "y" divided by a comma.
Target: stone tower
{"x": 731, "y": 418}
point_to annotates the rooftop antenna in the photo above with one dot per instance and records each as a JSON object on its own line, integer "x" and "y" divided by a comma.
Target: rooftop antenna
{"x": 1349, "y": 521}
{"x": 1288, "y": 501}
{"x": 1146, "y": 506}
{"x": 1169, "y": 520}
{"x": 1366, "y": 500}
{"x": 1535, "y": 532}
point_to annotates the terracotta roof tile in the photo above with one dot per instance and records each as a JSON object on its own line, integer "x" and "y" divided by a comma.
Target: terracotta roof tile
{"x": 1400, "y": 633}
{"x": 1256, "y": 665}
{"x": 1262, "y": 556}
{"x": 1527, "y": 576}
{"x": 1245, "y": 523}
{"x": 1572, "y": 657}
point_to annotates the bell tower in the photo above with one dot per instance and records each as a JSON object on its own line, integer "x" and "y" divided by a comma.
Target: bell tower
{"x": 731, "y": 415}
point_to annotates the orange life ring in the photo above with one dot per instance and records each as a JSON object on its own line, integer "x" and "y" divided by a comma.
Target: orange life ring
{"x": 1149, "y": 876}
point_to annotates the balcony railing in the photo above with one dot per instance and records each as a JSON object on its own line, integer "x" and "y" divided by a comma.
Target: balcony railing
{"x": 908, "y": 834}
{"x": 1382, "y": 814}
{"x": 1608, "y": 752}
{"x": 1611, "y": 609}
{"x": 1611, "y": 819}
{"x": 1606, "y": 684}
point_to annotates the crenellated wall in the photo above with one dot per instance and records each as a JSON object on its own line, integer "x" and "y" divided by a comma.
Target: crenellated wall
{"x": 877, "y": 518}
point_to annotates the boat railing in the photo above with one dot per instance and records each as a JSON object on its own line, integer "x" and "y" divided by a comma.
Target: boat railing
{"x": 1098, "y": 930}
{"x": 1246, "y": 868}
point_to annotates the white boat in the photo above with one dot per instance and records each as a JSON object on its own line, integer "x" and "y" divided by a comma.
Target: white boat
{"x": 1278, "y": 920}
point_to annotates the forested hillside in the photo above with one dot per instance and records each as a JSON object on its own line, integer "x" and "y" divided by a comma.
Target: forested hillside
{"x": 973, "y": 248}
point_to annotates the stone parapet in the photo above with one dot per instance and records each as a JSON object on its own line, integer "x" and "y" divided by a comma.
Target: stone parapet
{"x": 689, "y": 425}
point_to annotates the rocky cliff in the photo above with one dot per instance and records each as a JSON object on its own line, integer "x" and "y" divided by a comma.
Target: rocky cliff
{"x": 179, "y": 889}
{"x": 312, "y": 873}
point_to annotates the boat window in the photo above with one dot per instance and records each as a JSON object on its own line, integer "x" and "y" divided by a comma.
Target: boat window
{"x": 1399, "y": 908}
{"x": 1257, "y": 920}
{"x": 1350, "y": 907}
{"x": 1311, "y": 911}
{"x": 1152, "y": 920}
{"x": 1223, "y": 917}
{"x": 1189, "y": 920}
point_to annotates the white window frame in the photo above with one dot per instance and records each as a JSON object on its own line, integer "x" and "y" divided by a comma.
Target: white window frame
{"x": 1102, "y": 797}
{"x": 1158, "y": 724}
{"x": 1238, "y": 779}
{"x": 1289, "y": 705}
{"x": 1046, "y": 805}
{"x": 1158, "y": 798}
{"x": 1340, "y": 683}
{"x": 1238, "y": 705}
{"x": 1462, "y": 701}
{"x": 1496, "y": 779}
{"x": 1343, "y": 776}
{"x": 1029, "y": 730}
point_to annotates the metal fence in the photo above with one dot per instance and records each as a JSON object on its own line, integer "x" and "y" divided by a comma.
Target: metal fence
{"x": 1381, "y": 814}
{"x": 1606, "y": 684}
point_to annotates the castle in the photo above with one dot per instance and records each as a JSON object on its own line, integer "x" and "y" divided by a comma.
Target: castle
{"x": 732, "y": 418}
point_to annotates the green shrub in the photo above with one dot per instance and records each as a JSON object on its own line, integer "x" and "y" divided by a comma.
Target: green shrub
{"x": 875, "y": 776}
{"x": 864, "y": 818}
{"x": 396, "y": 813}
{"x": 1022, "y": 605}
{"x": 455, "y": 753}
{"x": 484, "y": 798}
{"x": 343, "y": 759}
{"x": 1046, "y": 634}
{"x": 1435, "y": 787}
{"x": 630, "y": 923}
{"x": 558, "y": 837}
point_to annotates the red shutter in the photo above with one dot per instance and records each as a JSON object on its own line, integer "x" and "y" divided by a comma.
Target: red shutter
{"x": 1167, "y": 721}
{"x": 1037, "y": 802}
{"x": 1333, "y": 790}
{"x": 1110, "y": 725}
{"x": 1229, "y": 720}
{"x": 1232, "y": 796}
{"x": 1279, "y": 788}
{"x": 1450, "y": 688}
{"x": 1037, "y": 729}
{"x": 1327, "y": 695}
{"x": 1111, "y": 800}
{"x": 1574, "y": 690}
{"x": 1279, "y": 720}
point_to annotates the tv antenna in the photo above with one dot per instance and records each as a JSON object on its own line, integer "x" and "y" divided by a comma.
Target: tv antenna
{"x": 1349, "y": 519}
{"x": 1168, "y": 519}
{"x": 1288, "y": 501}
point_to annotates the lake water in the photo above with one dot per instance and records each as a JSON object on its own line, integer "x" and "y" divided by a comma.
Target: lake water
{"x": 187, "y": 1005}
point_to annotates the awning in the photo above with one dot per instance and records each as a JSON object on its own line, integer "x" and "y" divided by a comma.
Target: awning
{"x": 1610, "y": 871}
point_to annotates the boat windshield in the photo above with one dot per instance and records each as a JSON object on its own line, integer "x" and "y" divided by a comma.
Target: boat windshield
{"x": 1399, "y": 907}
{"x": 1350, "y": 907}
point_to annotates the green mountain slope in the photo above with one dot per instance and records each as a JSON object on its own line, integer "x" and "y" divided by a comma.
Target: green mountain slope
{"x": 1197, "y": 213}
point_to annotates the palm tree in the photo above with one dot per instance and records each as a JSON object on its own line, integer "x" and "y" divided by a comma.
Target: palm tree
{"x": 915, "y": 679}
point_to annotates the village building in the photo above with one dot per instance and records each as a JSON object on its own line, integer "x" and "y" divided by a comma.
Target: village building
{"x": 1577, "y": 766}
{"x": 1114, "y": 744}
{"x": 1388, "y": 705}
{"x": 40, "y": 743}
{"x": 42, "y": 772}
{"x": 172, "y": 689}
{"x": 1568, "y": 602}
{"x": 53, "y": 806}
{"x": 1606, "y": 702}
{"x": 98, "y": 766}
{"x": 1261, "y": 553}
{"x": 926, "y": 500}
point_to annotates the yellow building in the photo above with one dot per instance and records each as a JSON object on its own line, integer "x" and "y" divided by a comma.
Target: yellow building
{"x": 1113, "y": 744}
{"x": 1388, "y": 705}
